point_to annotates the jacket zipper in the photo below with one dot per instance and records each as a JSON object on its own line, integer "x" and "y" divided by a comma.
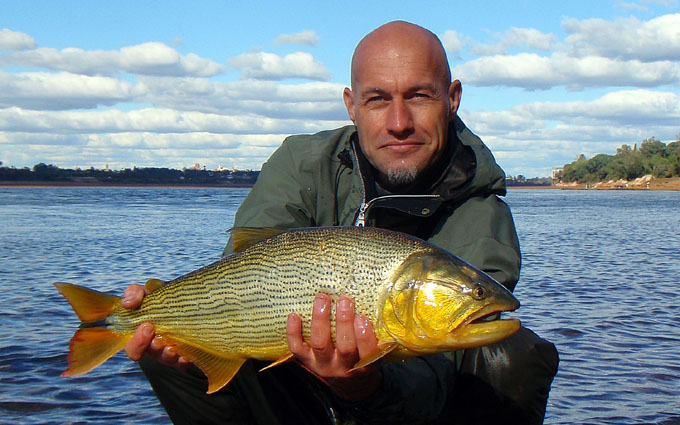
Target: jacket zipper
{"x": 361, "y": 215}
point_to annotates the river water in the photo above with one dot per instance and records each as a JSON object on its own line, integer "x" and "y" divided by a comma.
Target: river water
{"x": 600, "y": 278}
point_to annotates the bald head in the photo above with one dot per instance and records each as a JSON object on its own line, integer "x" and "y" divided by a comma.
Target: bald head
{"x": 401, "y": 101}
{"x": 400, "y": 39}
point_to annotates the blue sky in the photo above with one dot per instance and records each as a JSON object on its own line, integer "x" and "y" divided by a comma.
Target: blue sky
{"x": 171, "y": 84}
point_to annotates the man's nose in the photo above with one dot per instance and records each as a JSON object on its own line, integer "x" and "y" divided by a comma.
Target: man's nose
{"x": 400, "y": 118}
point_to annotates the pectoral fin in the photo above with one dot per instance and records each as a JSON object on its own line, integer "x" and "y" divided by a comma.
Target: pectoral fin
{"x": 219, "y": 370}
{"x": 277, "y": 362}
{"x": 383, "y": 349}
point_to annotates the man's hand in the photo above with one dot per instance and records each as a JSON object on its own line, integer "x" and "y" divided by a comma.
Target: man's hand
{"x": 332, "y": 363}
{"x": 143, "y": 342}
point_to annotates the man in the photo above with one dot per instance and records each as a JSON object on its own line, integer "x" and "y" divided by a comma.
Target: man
{"x": 408, "y": 164}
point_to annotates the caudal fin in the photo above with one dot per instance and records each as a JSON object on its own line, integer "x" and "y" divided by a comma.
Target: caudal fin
{"x": 91, "y": 346}
{"x": 89, "y": 305}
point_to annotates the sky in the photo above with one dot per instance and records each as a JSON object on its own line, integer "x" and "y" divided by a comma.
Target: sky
{"x": 222, "y": 83}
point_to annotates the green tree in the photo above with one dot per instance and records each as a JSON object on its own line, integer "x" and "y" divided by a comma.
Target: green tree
{"x": 624, "y": 150}
{"x": 651, "y": 147}
{"x": 660, "y": 166}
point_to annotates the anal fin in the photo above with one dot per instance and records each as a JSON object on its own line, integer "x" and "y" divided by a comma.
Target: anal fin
{"x": 219, "y": 369}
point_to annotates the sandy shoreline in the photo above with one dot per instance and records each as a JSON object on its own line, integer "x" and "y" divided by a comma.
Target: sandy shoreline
{"x": 642, "y": 183}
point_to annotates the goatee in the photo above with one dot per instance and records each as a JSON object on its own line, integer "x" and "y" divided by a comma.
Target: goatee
{"x": 402, "y": 176}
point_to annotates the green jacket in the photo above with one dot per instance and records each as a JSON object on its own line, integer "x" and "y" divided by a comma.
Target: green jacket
{"x": 321, "y": 180}
{"x": 324, "y": 180}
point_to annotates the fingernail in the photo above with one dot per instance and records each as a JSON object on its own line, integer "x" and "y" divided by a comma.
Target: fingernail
{"x": 344, "y": 307}
{"x": 344, "y": 304}
{"x": 147, "y": 330}
{"x": 320, "y": 304}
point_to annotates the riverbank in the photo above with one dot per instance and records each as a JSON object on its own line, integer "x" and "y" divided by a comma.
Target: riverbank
{"x": 642, "y": 183}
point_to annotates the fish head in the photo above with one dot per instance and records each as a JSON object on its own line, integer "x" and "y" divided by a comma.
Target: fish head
{"x": 436, "y": 302}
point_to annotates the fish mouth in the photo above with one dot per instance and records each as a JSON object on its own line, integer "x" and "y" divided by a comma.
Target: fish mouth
{"x": 484, "y": 327}
{"x": 487, "y": 313}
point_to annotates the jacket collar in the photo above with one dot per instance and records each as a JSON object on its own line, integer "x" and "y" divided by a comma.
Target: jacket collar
{"x": 446, "y": 178}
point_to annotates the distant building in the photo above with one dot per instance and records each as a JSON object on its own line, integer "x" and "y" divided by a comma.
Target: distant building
{"x": 557, "y": 174}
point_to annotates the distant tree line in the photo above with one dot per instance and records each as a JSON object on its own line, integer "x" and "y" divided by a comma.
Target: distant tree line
{"x": 520, "y": 180}
{"x": 151, "y": 175}
{"x": 652, "y": 157}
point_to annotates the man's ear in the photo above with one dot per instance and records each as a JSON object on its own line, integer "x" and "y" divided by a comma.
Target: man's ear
{"x": 348, "y": 97}
{"x": 455, "y": 93}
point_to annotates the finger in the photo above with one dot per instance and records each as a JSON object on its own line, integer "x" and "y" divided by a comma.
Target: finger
{"x": 140, "y": 341}
{"x": 132, "y": 297}
{"x": 345, "y": 342}
{"x": 166, "y": 354}
{"x": 296, "y": 343}
{"x": 320, "y": 330}
{"x": 366, "y": 341}
{"x": 169, "y": 356}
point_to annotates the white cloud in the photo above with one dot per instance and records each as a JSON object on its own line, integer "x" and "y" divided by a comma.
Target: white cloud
{"x": 42, "y": 90}
{"x": 306, "y": 38}
{"x": 630, "y": 39}
{"x": 151, "y": 120}
{"x": 554, "y": 133}
{"x": 151, "y": 58}
{"x": 312, "y": 100}
{"x": 517, "y": 37}
{"x": 269, "y": 66}
{"x": 532, "y": 71}
{"x": 632, "y": 6}
{"x": 621, "y": 108}
{"x": 452, "y": 41}
{"x": 15, "y": 40}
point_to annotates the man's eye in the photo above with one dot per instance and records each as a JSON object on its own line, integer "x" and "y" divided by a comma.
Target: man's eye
{"x": 374, "y": 99}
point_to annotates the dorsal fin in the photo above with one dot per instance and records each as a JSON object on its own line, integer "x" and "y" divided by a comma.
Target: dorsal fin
{"x": 244, "y": 237}
{"x": 153, "y": 284}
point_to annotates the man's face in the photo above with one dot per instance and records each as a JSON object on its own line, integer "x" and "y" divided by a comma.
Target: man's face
{"x": 401, "y": 104}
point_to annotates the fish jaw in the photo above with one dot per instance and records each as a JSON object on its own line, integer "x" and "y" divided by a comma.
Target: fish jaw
{"x": 479, "y": 328}
{"x": 481, "y": 333}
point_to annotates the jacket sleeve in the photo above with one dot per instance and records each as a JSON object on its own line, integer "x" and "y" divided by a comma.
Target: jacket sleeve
{"x": 278, "y": 199}
{"x": 482, "y": 232}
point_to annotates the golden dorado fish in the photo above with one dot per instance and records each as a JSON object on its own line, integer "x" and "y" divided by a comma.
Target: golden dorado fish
{"x": 420, "y": 299}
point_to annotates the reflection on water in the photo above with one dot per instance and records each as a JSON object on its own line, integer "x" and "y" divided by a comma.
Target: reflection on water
{"x": 600, "y": 279}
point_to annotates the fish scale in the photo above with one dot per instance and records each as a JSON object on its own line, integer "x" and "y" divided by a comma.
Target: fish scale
{"x": 253, "y": 292}
{"x": 236, "y": 308}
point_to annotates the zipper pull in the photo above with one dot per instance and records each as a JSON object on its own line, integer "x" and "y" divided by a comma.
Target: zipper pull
{"x": 361, "y": 216}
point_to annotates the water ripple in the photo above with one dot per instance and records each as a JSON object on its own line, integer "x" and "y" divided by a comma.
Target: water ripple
{"x": 600, "y": 279}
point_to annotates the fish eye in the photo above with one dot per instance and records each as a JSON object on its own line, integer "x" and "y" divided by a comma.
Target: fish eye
{"x": 479, "y": 292}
